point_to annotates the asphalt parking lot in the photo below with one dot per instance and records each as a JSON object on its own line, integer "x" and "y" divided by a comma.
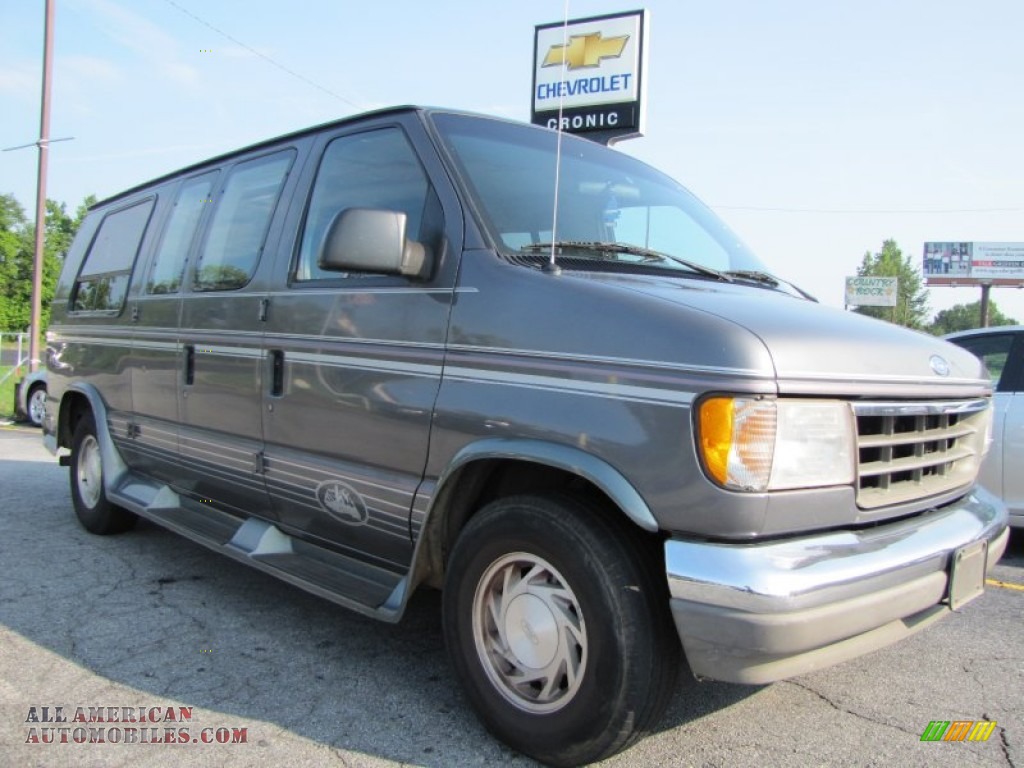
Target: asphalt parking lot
{"x": 146, "y": 622}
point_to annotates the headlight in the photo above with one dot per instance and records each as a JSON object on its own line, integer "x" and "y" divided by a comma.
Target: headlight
{"x": 752, "y": 444}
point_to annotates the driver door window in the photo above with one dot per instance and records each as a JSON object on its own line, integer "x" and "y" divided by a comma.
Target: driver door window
{"x": 377, "y": 169}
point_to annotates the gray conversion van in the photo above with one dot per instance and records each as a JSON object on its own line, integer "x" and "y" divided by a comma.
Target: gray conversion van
{"x": 363, "y": 358}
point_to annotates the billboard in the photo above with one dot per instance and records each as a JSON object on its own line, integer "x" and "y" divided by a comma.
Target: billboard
{"x": 588, "y": 75}
{"x": 973, "y": 263}
{"x": 871, "y": 291}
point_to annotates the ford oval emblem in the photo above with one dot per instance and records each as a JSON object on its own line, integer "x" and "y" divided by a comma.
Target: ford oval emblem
{"x": 939, "y": 365}
{"x": 342, "y": 502}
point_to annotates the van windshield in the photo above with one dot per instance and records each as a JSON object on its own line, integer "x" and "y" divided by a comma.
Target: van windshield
{"x": 604, "y": 198}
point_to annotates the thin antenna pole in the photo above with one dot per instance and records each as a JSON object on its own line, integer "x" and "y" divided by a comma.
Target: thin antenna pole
{"x": 44, "y": 139}
{"x": 552, "y": 266}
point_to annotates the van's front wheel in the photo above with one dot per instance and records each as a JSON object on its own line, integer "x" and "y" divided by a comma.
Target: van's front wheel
{"x": 558, "y": 628}
{"x": 94, "y": 511}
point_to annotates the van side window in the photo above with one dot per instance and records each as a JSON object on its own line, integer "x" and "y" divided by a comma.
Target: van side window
{"x": 377, "y": 169}
{"x": 169, "y": 263}
{"x": 240, "y": 222}
{"x": 103, "y": 282}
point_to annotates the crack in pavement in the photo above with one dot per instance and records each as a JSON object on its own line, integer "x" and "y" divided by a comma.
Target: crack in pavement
{"x": 838, "y": 708}
{"x": 1003, "y": 743}
{"x": 915, "y": 734}
{"x": 1005, "y": 746}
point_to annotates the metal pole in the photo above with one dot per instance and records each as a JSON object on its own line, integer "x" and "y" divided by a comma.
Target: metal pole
{"x": 984, "y": 305}
{"x": 44, "y": 137}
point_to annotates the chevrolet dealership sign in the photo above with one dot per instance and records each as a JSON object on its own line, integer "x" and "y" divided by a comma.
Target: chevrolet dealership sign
{"x": 588, "y": 75}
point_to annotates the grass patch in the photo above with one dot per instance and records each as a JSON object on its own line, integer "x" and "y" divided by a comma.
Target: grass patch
{"x": 7, "y": 391}
{"x": 10, "y": 352}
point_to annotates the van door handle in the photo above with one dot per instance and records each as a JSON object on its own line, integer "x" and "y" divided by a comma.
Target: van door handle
{"x": 190, "y": 365}
{"x": 276, "y": 372}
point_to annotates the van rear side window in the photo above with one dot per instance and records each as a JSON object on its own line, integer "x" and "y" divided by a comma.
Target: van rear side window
{"x": 240, "y": 222}
{"x": 103, "y": 282}
{"x": 169, "y": 264}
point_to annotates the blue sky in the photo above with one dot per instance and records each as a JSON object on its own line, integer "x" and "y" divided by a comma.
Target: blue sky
{"x": 816, "y": 129}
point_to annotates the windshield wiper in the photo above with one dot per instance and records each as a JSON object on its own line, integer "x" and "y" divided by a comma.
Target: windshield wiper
{"x": 648, "y": 254}
{"x": 769, "y": 280}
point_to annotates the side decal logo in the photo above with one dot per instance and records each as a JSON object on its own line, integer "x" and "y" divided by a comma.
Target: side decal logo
{"x": 341, "y": 502}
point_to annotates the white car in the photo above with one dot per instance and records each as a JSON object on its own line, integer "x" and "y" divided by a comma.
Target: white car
{"x": 30, "y": 398}
{"x": 1002, "y": 350}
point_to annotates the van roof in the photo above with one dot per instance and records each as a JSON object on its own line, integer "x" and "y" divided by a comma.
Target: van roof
{"x": 265, "y": 143}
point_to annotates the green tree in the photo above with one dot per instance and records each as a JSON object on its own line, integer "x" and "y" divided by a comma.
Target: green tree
{"x": 221, "y": 277}
{"x": 963, "y": 317}
{"x": 12, "y": 255}
{"x": 911, "y": 307}
{"x": 17, "y": 258}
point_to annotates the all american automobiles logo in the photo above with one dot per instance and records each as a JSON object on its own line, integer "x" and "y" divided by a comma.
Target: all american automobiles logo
{"x": 958, "y": 730}
{"x": 124, "y": 725}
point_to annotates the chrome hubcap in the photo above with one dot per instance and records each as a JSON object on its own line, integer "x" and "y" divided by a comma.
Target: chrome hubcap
{"x": 89, "y": 471}
{"x": 37, "y": 406}
{"x": 529, "y": 633}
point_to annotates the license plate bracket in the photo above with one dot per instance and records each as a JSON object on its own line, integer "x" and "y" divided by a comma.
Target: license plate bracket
{"x": 967, "y": 573}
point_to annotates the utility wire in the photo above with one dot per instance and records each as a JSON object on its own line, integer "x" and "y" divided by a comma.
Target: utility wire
{"x": 867, "y": 210}
{"x": 263, "y": 56}
{"x": 351, "y": 103}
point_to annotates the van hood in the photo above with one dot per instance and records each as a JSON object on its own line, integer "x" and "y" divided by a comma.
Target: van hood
{"x": 822, "y": 350}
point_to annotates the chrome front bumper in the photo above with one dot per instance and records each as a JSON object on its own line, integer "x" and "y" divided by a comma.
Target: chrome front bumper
{"x": 755, "y": 613}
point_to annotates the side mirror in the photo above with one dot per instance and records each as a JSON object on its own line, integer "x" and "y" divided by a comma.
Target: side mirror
{"x": 370, "y": 240}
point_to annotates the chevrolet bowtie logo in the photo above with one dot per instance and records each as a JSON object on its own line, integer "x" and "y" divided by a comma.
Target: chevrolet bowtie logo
{"x": 585, "y": 51}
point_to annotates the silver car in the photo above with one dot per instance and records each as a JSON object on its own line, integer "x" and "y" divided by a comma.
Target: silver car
{"x": 1002, "y": 351}
{"x": 30, "y": 398}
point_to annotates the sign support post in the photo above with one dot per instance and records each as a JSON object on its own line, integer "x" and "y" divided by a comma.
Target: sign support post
{"x": 985, "y": 288}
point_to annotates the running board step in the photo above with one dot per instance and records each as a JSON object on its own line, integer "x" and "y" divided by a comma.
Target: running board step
{"x": 357, "y": 585}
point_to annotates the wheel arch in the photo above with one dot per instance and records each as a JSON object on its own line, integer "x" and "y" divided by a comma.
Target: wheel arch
{"x": 23, "y": 389}
{"x": 36, "y": 386}
{"x": 78, "y": 401}
{"x": 489, "y": 469}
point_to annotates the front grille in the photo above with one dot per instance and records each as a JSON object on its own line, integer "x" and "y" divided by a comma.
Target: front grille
{"x": 910, "y": 451}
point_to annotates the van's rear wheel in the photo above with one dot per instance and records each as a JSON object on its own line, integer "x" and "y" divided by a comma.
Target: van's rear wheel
{"x": 94, "y": 511}
{"x": 557, "y": 625}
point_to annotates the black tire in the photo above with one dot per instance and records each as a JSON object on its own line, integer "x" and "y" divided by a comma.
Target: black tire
{"x": 596, "y": 601}
{"x": 95, "y": 513}
{"x": 34, "y": 405}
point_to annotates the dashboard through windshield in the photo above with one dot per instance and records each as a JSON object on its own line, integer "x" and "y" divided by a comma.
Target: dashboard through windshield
{"x": 604, "y": 197}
